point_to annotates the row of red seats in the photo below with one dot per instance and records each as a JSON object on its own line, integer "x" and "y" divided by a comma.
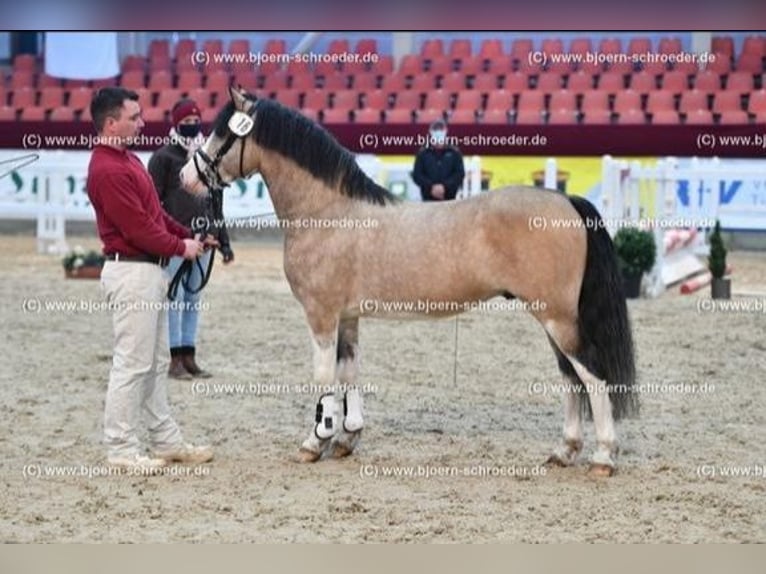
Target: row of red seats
{"x": 458, "y": 116}
{"x": 753, "y": 101}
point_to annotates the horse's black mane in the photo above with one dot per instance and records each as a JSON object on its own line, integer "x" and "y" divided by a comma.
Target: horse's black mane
{"x": 296, "y": 137}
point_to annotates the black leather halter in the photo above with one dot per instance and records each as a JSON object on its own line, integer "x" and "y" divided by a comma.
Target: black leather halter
{"x": 208, "y": 174}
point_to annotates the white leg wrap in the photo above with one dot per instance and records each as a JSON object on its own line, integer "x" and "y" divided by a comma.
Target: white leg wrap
{"x": 326, "y": 417}
{"x": 352, "y": 410}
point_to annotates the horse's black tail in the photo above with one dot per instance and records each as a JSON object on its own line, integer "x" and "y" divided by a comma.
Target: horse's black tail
{"x": 606, "y": 342}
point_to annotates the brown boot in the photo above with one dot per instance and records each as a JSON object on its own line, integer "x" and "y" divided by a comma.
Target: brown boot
{"x": 187, "y": 358}
{"x": 177, "y": 370}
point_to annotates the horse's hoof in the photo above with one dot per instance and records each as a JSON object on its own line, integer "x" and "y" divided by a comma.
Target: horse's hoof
{"x": 555, "y": 460}
{"x": 305, "y": 455}
{"x": 341, "y": 451}
{"x": 600, "y": 470}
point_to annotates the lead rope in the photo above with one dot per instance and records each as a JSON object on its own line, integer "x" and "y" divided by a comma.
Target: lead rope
{"x": 200, "y": 226}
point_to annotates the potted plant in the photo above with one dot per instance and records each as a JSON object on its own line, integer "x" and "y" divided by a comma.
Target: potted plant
{"x": 720, "y": 288}
{"x": 636, "y": 254}
{"x": 79, "y": 264}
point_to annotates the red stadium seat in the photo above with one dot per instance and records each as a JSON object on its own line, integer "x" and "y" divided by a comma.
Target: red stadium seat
{"x": 595, "y": 100}
{"x": 336, "y": 116}
{"x": 393, "y": 84}
{"x": 334, "y": 82}
{"x": 470, "y": 65}
{"x": 7, "y": 114}
{"x": 754, "y": 45}
{"x": 85, "y": 115}
{"x": 468, "y": 100}
{"x": 408, "y": 99}
{"x": 364, "y": 82}
{"x": 24, "y": 62}
{"x": 453, "y": 82}
{"x": 675, "y": 81}
{"x": 548, "y": 82}
{"x": 201, "y": 96}
{"x": 289, "y": 98}
{"x": 529, "y": 117}
{"x": 339, "y": 46}
{"x": 660, "y": 100}
{"x": 643, "y": 82}
{"x": 315, "y": 99}
{"x": 33, "y": 114}
{"x": 367, "y": 46}
{"x": 410, "y": 65}
{"x": 707, "y": 81}
{"x": 160, "y": 80}
{"x": 218, "y": 80}
{"x": 189, "y": 81}
{"x": 500, "y": 100}
{"x": 302, "y": 83}
{"x": 699, "y": 117}
{"x": 429, "y": 115}
{"x": 757, "y": 102}
{"x": 563, "y": 100}
{"x": 581, "y": 46}
{"x": 719, "y": 64}
{"x": 552, "y": 46}
{"x": 610, "y": 46}
{"x": 500, "y": 65}
{"x": 731, "y": 117}
{"x": 611, "y": 83}
{"x": 740, "y": 82}
{"x": 438, "y": 99}
{"x": 665, "y": 117}
{"x": 432, "y": 48}
{"x": 249, "y": 80}
{"x": 62, "y": 114}
{"x": 160, "y": 47}
{"x": 345, "y": 99}
{"x": 491, "y": 48}
{"x": 562, "y": 116}
{"x": 23, "y": 98}
{"x": 597, "y": 117}
{"x": 439, "y": 66}
{"x": 631, "y": 117}
{"x": 166, "y": 99}
{"x": 132, "y": 80}
{"x": 722, "y": 45}
{"x": 639, "y": 45}
{"x": 102, "y": 83}
{"x": 51, "y": 98}
{"x": 579, "y": 82}
{"x": 463, "y": 116}
{"x": 693, "y": 100}
{"x": 375, "y": 99}
{"x": 423, "y": 82}
{"x": 620, "y": 67}
{"x": 485, "y": 82}
{"x": 494, "y": 116}
{"x": 209, "y": 115}
{"x": 670, "y": 46}
{"x": 368, "y": 116}
{"x": 384, "y": 65}
{"x": 399, "y": 116}
{"x": 530, "y": 100}
{"x": 213, "y": 47}
{"x": 516, "y": 83}
{"x": 727, "y": 101}
{"x": 46, "y": 81}
{"x": 145, "y": 98}
{"x": 239, "y": 46}
{"x": 627, "y": 100}
{"x": 760, "y": 118}
{"x": 520, "y": 48}
{"x": 22, "y": 79}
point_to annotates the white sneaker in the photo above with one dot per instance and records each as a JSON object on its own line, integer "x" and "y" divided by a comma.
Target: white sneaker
{"x": 137, "y": 463}
{"x": 187, "y": 453}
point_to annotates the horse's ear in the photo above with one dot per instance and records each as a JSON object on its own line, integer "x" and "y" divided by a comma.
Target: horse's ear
{"x": 238, "y": 97}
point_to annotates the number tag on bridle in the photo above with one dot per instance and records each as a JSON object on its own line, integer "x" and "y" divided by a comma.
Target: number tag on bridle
{"x": 241, "y": 124}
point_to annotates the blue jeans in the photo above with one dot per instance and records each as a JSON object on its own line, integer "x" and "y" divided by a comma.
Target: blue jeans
{"x": 183, "y": 315}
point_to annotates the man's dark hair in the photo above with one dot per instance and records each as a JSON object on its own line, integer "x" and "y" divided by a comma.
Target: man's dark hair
{"x": 107, "y": 103}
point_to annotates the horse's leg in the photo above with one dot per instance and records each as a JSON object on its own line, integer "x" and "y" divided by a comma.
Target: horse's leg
{"x": 324, "y": 332}
{"x": 565, "y": 335}
{"x": 348, "y": 369}
{"x": 567, "y": 453}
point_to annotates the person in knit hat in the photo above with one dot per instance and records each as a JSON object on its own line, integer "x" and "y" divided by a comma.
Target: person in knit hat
{"x": 164, "y": 166}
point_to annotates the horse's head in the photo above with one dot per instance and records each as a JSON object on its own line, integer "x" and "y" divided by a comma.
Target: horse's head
{"x": 222, "y": 158}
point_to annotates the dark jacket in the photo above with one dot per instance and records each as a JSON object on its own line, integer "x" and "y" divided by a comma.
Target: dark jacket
{"x": 164, "y": 167}
{"x": 438, "y": 165}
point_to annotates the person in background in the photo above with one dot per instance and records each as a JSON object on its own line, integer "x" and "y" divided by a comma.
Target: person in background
{"x": 138, "y": 237}
{"x": 164, "y": 166}
{"x": 439, "y": 169}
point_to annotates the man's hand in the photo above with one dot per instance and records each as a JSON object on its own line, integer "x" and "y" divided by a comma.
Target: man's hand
{"x": 228, "y": 254}
{"x": 210, "y": 241}
{"x": 437, "y": 191}
{"x": 192, "y": 248}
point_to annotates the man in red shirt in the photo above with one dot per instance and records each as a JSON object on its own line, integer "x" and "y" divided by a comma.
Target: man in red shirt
{"x": 138, "y": 237}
